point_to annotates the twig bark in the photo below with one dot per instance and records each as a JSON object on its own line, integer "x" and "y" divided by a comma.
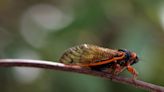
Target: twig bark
{"x": 77, "y": 69}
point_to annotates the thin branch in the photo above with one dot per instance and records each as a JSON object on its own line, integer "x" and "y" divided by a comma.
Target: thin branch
{"x": 77, "y": 69}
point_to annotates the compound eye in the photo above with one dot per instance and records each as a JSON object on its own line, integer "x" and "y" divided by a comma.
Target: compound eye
{"x": 134, "y": 55}
{"x": 135, "y": 60}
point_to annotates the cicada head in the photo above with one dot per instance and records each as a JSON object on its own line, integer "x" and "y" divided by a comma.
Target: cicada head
{"x": 130, "y": 57}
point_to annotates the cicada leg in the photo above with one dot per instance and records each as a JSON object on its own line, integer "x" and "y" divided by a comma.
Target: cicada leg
{"x": 132, "y": 71}
{"x": 117, "y": 69}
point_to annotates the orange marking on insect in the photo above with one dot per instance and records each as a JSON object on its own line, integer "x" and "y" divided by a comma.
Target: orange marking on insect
{"x": 103, "y": 62}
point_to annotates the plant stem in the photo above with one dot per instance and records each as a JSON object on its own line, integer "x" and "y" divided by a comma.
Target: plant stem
{"x": 78, "y": 69}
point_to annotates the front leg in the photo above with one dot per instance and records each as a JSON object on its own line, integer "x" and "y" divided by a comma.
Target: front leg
{"x": 132, "y": 71}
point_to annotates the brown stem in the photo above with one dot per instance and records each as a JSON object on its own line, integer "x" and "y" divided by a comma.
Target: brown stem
{"x": 63, "y": 67}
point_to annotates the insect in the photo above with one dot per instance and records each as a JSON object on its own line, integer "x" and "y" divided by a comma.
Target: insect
{"x": 101, "y": 59}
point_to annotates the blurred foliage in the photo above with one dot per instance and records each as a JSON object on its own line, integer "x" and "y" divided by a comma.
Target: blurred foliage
{"x": 43, "y": 29}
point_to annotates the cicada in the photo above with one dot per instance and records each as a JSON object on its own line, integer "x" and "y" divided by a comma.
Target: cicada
{"x": 101, "y": 59}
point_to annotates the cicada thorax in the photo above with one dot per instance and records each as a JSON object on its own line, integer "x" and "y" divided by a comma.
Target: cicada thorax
{"x": 88, "y": 54}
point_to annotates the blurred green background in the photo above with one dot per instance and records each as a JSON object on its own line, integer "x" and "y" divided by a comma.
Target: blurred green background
{"x": 44, "y": 29}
